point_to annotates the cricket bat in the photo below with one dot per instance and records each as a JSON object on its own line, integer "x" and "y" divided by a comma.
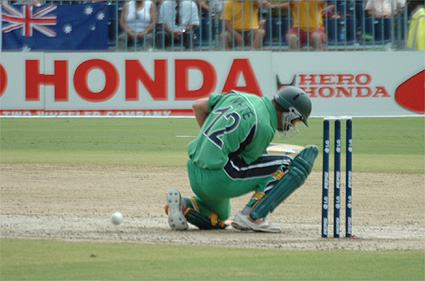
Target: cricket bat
{"x": 285, "y": 149}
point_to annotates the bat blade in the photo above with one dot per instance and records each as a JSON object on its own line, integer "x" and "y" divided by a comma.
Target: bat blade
{"x": 284, "y": 149}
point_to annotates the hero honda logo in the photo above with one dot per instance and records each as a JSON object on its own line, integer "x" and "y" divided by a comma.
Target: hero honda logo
{"x": 340, "y": 85}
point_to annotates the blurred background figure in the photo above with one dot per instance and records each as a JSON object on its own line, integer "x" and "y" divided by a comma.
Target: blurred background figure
{"x": 380, "y": 18}
{"x": 384, "y": 8}
{"x": 211, "y": 7}
{"x": 242, "y": 26}
{"x": 138, "y": 20}
{"x": 216, "y": 6}
{"x": 179, "y": 22}
{"x": 307, "y": 26}
{"x": 203, "y": 7}
{"x": 416, "y": 34}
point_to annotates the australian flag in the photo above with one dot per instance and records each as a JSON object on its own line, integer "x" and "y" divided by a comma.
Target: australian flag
{"x": 51, "y": 27}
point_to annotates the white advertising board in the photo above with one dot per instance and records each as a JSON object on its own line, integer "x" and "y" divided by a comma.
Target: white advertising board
{"x": 167, "y": 83}
{"x": 356, "y": 83}
{"x": 14, "y": 94}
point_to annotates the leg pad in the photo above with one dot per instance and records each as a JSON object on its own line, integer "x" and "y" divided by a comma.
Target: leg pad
{"x": 298, "y": 171}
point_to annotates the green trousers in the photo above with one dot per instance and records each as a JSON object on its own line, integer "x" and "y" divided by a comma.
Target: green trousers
{"x": 214, "y": 188}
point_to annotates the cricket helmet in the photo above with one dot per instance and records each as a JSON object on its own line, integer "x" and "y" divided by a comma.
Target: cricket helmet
{"x": 294, "y": 101}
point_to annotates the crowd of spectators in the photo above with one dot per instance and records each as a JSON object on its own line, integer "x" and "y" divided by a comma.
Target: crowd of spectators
{"x": 252, "y": 24}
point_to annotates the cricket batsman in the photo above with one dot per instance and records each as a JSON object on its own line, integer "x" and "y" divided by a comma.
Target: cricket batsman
{"x": 227, "y": 159}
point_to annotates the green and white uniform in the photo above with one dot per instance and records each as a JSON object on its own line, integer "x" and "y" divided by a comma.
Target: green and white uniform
{"x": 227, "y": 158}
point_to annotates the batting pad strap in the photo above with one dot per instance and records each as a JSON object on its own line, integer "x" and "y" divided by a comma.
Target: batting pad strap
{"x": 296, "y": 175}
{"x": 203, "y": 222}
{"x": 255, "y": 198}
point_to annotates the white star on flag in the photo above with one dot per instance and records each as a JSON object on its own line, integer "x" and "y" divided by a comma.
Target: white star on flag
{"x": 26, "y": 48}
{"x": 67, "y": 28}
{"x": 88, "y": 10}
{"x": 100, "y": 16}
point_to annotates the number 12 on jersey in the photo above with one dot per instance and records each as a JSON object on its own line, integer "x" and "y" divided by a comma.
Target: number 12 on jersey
{"x": 214, "y": 133}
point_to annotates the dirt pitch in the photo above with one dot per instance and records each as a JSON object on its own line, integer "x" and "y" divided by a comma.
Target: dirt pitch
{"x": 75, "y": 203}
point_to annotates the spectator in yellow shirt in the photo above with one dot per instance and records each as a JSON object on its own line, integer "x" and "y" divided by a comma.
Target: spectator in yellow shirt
{"x": 307, "y": 24}
{"x": 242, "y": 24}
{"x": 416, "y": 35}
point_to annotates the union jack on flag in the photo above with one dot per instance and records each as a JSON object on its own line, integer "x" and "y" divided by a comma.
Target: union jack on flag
{"x": 55, "y": 27}
{"x": 26, "y": 20}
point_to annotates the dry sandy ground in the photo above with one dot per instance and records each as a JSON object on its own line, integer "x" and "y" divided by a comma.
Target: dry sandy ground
{"x": 75, "y": 203}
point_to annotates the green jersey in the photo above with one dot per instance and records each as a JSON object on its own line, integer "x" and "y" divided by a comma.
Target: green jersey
{"x": 238, "y": 123}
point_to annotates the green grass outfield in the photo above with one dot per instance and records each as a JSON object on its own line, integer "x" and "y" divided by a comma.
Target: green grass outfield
{"x": 58, "y": 260}
{"x": 390, "y": 145}
{"x": 387, "y": 145}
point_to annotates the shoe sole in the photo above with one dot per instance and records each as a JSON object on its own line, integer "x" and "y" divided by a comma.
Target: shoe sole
{"x": 239, "y": 227}
{"x": 176, "y": 219}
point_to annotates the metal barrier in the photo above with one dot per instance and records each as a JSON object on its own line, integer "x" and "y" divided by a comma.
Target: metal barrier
{"x": 347, "y": 25}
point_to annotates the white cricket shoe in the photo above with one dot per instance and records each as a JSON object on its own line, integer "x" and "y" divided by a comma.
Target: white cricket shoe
{"x": 176, "y": 219}
{"x": 242, "y": 222}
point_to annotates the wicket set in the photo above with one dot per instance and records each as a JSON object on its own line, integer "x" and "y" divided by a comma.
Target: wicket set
{"x": 337, "y": 176}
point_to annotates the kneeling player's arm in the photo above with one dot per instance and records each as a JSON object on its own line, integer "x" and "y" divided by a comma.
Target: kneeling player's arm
{"x": 200, "y": 108}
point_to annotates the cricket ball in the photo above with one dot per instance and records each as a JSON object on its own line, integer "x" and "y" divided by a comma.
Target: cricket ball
{"x": 116, "y": 218}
